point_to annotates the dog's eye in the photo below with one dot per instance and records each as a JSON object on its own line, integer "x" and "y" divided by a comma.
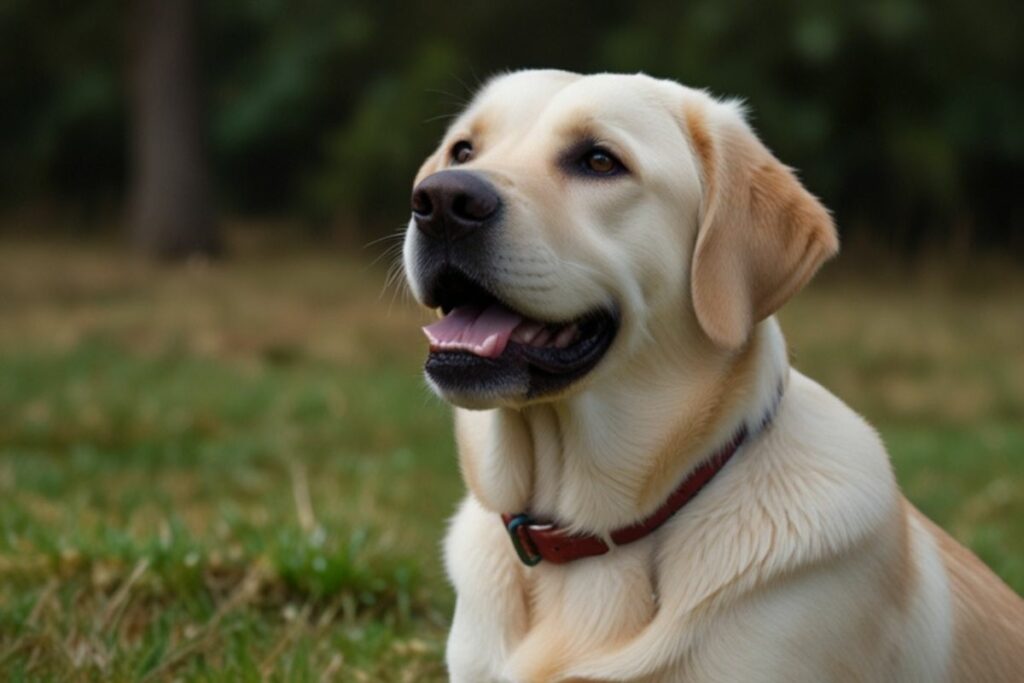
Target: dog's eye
{"x": 600, "y": 162}
{"x": 462, "y": 152}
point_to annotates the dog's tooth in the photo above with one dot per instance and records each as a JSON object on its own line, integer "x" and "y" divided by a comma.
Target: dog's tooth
{"x": 526, "y": 332}
{"x": 542, "y": 337}
{"x": 439, "y": 312}
{"x": 487, "y": 348}
{"x": 565, "y": 336}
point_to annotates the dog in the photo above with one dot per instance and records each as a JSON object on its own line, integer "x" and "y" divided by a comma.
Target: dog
{"x": 654, "y": 494}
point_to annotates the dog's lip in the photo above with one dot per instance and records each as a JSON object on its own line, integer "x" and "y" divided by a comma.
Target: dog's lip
{"x": 478, "y": 323}
{"x": 521, "y": 372}
{"x": 589, "y": 336}
{"x": 452, "y": 287}
{"x": 595, "y": 328}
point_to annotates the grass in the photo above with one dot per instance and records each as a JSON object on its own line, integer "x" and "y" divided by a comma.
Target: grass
{"x": 233, "y": 472}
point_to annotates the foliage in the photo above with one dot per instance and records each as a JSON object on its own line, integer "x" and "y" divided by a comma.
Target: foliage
{"x": 62, "y": 102}
{"x": 902, "y": 114}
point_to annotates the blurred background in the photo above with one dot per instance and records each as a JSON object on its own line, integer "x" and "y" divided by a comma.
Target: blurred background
{"x": 903, "y": 115}
{"x": 217, "y": 458}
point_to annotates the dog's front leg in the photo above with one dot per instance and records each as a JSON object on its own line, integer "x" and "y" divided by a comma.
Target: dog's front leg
{"x": 491, "y": 611}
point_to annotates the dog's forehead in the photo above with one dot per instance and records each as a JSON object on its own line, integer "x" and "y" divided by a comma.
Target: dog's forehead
{"x": 526, "y": 98}
{"x": 519, "y": 96}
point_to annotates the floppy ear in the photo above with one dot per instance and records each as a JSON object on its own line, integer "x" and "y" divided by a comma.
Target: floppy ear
{"x": 762, "y": 234}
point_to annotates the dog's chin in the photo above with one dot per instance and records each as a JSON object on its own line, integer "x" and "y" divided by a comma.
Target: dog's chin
{"x": 450, "y": 376}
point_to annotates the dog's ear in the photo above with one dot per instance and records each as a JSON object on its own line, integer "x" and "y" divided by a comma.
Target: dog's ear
{"x": 762, "y": 234}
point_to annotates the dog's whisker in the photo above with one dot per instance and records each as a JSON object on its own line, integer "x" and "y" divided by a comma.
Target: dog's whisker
{"x": 439, "y": 117}
{"x": 397, "y": 235}
{"x": 388, "y": 253}
{"x": 393, "y": 277}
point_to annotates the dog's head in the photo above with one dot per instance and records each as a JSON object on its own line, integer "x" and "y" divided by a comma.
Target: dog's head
{"x": 565, "y": 217}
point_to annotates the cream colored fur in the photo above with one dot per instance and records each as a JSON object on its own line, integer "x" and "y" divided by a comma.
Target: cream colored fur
{"x": 801, "y": 561}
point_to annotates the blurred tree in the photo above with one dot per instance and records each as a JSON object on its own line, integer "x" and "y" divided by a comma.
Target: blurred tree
{"x": 172, "y": 211}
{"x": 903, "y": 115}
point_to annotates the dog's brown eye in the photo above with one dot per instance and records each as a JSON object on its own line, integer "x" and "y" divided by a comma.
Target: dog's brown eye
{"x": 599, "y": 162}
{"x": 462, "y": 152}
{"x": 590, "y": 159}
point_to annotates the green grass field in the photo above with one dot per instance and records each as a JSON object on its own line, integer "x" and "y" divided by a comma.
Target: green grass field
{"x": 234, "y": 472}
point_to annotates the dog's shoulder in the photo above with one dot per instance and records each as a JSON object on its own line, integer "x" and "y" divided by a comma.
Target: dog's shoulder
{"x": 822, "y": 471}
{"x": 813, "y": 486}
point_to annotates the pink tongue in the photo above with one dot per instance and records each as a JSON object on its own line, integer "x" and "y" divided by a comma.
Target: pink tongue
{"x": 480, "y": 331}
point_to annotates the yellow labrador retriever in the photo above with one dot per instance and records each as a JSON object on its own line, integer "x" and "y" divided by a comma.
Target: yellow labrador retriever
{"x": 654, "y": 494}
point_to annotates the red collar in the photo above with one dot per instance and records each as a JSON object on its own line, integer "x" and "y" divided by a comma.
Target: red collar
{"x": 534, "y": 541}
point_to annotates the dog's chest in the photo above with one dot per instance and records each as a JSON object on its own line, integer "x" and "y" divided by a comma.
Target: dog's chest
{"x": 581, "y": 608}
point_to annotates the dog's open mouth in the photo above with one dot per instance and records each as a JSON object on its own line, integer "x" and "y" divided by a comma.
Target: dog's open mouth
{"x": 483, "y": 349}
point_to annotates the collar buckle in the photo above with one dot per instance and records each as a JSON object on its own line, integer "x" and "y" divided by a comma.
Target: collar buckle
{"x": 518, "y": 528}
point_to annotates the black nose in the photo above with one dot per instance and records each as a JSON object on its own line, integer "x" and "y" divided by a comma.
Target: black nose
{"x": 451, "y": 204}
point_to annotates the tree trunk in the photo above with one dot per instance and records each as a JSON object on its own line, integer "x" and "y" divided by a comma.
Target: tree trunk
{"x": 172, "y": 213}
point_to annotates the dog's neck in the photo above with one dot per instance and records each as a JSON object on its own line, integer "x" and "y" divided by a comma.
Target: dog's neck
{"x": 606, "y": 457}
